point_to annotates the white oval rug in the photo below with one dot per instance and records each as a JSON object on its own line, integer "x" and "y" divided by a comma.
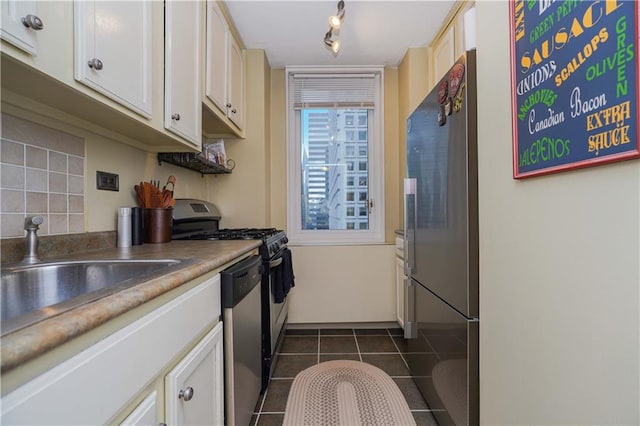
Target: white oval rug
{"x": 345, "y": 393}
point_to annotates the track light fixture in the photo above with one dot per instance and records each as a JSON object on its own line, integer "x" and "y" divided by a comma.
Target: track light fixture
{"x": 335, "y": 22}
{"x": 334, "y": 45}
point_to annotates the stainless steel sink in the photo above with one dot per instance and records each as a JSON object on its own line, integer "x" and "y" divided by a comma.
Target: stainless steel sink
{"x": 31, "y": 293}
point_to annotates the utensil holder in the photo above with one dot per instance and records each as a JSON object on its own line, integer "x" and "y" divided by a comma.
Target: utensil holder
{"x": 156, "y": 224}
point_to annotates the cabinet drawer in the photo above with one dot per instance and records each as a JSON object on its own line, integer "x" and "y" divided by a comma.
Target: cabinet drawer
{"x": 399, "y": 247}
{"x": 91, "y": 387}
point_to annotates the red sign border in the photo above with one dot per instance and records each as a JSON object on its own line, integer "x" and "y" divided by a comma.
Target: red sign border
{"x": 627, "y": 155}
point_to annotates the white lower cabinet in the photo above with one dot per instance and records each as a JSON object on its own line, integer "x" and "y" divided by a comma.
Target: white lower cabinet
{"x": 194, "y": 389}
{"x": 144, "y": 414}
{"x": 97, "y": 384}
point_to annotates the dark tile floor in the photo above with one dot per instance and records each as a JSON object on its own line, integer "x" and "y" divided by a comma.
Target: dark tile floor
{"x": 300, "y": 349}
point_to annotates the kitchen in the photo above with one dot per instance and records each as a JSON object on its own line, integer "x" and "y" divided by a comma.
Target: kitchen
{"x": 559, "y": 290}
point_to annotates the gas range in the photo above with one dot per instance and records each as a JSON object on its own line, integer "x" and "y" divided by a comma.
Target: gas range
{"x": 272, "y": 239}
{"x": 199, "y": 220}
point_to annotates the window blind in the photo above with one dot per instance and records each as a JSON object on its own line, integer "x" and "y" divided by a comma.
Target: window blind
{"x": 333, "y": 91}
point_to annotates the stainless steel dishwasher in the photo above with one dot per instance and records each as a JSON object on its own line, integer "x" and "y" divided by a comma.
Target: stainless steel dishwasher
{"x": 241, "y": 307}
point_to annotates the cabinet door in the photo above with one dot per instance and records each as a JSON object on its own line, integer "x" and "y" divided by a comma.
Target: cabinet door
{"x": 20, "y": 24}
{"x": 183, "y": 105}
{"x": 235, "y": 106}
{"x": 113, "y": 50}
{"x": 195, "y": 387}
{"x": 400, "y": 291}
{"x": 216, "y": 56}
{"x": 96, "y": 384}
{"x": 145, "y": 413}
{"x": 443, "y": 55}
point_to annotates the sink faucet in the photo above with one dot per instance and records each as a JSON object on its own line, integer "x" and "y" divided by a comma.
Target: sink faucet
{"x": 31, "y": 225}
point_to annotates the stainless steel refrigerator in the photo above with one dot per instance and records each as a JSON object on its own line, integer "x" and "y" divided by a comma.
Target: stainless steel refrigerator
{"x": 441, "y": 242}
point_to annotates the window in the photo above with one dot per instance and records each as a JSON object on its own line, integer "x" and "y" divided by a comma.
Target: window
{"x": 333, "y": 114}
{"x": 348, "y": 119}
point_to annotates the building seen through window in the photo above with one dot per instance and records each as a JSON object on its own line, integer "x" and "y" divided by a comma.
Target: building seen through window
{"x": 329, "y": 137}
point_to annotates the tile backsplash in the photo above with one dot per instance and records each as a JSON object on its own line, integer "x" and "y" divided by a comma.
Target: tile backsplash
{"x": 41, "y": 173}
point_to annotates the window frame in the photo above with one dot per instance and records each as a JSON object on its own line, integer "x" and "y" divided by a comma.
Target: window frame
{"x": 375, "y": 232}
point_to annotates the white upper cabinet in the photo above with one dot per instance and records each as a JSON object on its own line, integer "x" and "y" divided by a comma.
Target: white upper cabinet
{"x": 216, "y": 69}
{"x": 444, "y": 54}
{"x": 113, "y": 45}
{"x": 235, "y": 106}
{"x": 20, "y": 24}
{"x": 183, "y": 104}
{"x": 224, "y": 67}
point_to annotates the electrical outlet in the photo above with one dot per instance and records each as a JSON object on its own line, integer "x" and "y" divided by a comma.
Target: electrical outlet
{"x": 107, "y": 181}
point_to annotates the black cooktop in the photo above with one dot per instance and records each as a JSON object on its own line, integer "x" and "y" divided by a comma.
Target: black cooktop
{"x": 242, "y": 234}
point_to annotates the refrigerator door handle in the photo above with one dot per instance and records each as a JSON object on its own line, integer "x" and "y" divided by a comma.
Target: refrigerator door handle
{"x": 410, "y": 218}
{"x": 410, "y": 329}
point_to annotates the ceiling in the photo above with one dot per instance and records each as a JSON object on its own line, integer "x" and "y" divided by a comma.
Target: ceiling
{"x": 374, "y": 32}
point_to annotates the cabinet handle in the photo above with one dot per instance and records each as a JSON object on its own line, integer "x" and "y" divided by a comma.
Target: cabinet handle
{"x": 33, "y": 22}
{"x": 95, "y": 63}
{"x": 175, "y": 117}
{"x": 233, "y": 111}
{"x": 228, "y": 105}
{"x": 186, "y": 394}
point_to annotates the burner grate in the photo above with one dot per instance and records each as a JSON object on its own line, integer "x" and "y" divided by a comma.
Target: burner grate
{"x": 242, "y": 234}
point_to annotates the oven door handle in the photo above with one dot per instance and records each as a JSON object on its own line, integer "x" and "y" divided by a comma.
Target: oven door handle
{"x": 275, "y": 263}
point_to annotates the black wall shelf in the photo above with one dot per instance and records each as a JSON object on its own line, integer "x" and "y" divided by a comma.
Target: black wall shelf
{"x": 193, "y": 161}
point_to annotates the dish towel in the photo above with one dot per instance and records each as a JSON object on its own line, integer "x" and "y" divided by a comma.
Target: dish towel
{"x": 284, "y": 278}
{"x": 341, "y": 393}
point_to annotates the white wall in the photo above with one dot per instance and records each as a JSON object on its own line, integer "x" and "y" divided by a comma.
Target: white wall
{"x": 132, "y": 165}
{"x": 559, "y": 272}
{"x": 343, "y": 284}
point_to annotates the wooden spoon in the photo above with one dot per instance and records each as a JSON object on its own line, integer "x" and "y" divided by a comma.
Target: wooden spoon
{"x": 139, "y": 195}
{"x": 147, "y": 194}
{"x": 156, "y": 197}
{"x": 170, "y": 180}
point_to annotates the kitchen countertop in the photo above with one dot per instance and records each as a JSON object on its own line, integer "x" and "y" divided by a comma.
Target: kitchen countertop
{"x": 30, "y": 342}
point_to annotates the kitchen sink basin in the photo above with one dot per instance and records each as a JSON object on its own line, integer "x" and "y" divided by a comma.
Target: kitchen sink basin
{"x": 31, "y": 293}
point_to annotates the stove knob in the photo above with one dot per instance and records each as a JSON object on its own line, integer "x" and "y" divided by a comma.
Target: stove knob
{"x": 285, "y": 240}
